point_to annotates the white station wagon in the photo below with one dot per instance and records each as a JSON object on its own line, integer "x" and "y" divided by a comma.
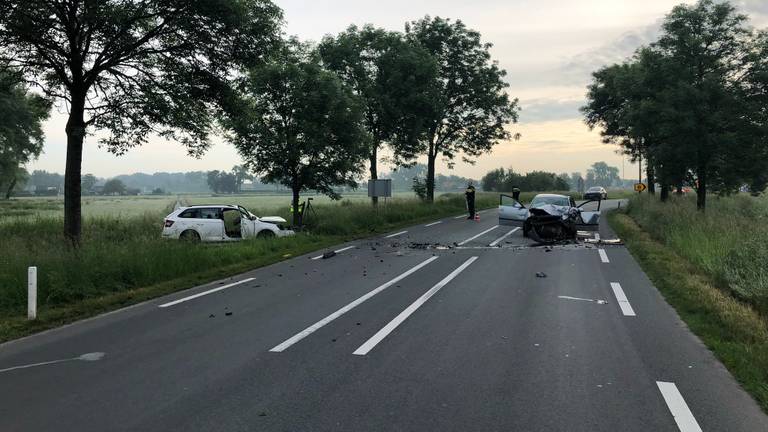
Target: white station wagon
{"x": 216, "y": 223}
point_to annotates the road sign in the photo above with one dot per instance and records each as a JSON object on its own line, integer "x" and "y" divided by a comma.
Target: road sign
{"x": 639, "y": 187}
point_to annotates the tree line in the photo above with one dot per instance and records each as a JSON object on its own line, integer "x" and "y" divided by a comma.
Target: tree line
{"x": 307, "y": 116}
{"x": 598, "y": 174}
{"x": 691, "y": 105}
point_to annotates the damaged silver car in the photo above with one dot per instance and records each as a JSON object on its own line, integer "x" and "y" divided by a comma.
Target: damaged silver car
{"x": 549, "y": 218}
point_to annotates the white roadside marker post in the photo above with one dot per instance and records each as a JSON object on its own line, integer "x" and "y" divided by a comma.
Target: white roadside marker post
{"x": 32, "y": 293}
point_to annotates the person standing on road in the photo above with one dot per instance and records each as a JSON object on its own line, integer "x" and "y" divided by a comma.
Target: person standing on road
{"x": 470, "y": 194}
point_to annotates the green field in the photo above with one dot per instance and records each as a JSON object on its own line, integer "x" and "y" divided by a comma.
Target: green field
{"x": 122, "y": 258}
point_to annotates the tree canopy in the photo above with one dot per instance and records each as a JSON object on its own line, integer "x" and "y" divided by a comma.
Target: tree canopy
{"x": 298, "y": 125}
{"x": 691, "y": 104}
{"x": 132, "y": 68}
{"x": 21, "y": 134}
{"x": 469, "y": 110}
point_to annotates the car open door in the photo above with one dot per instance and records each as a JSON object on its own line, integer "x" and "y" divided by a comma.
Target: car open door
{"x": 511, "y": 211}
{"x": 589, "y": 220}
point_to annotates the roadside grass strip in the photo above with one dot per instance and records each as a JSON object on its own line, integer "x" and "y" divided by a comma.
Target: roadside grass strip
{"x": 204, "y": 293}
{"x": 677, "y": 406}
{"x": 318, "y": 325}
{"x": 366, "y": 347}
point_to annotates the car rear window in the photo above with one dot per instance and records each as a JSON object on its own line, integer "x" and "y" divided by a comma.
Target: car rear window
{"x": 201, "y": 213}
{"x": 190, "y": 214}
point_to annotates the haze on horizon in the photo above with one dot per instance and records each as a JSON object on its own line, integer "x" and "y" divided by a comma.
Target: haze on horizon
{"x": 548, "y": 48}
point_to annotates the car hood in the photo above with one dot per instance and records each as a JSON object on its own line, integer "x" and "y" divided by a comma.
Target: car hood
{"x": 272, "y": 219}
{"x": 549, "y": 209}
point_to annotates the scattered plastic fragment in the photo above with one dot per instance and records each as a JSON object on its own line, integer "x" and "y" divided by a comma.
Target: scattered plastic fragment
{"x": 329, "y": 254}
{"x": 541, "y": 275}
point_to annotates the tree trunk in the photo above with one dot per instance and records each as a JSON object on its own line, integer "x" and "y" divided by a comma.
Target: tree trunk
{"x": 651, "y": 174}
{"x": 297, "y": 214}
{"x": 701, "y": 189}
{"x": 431, "y": 173}
{"x": 664, "y": 191}
{"x": 75, "y": 130}
{"x": 10, "y": 189}
{"x": 374, "y": 170}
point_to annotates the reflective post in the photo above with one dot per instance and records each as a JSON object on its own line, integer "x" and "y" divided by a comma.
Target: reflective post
{"x": 32, "y": 293}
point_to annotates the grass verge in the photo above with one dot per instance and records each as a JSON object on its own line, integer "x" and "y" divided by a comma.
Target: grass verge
{"x": 123, "y": 261}
{"x": 735, "y": 332}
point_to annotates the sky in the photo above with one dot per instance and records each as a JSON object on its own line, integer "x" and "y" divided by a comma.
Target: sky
{"x": 548, "y": 48}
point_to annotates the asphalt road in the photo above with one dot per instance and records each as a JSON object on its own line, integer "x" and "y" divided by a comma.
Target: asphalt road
{"x": 403, "y": 333}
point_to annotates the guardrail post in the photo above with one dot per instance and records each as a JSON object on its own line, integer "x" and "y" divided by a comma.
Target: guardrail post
{"x": 32, "y": 293}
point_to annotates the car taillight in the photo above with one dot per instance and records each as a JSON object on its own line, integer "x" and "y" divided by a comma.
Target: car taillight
{"x": 168, "y": 223}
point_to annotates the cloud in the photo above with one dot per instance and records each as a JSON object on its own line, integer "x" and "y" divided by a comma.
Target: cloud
{"x": 543, "y": 110}
{"x": 579, "y": 68}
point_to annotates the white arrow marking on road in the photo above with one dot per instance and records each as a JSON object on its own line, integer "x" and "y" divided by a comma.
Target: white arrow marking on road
{"x": 478, "y": 235}
{"x": 336, "y": 251}
{"x": 684, "y": 418}
{"x": 583, "y": 299}
{"x": 392, "y": 325}
{"x": 626, "y": 308}
{"x": 316, "y": 326}
{"x": 211, "y": 291}
{"x": 498, "y": 240}
{"x": 94, "y": 356}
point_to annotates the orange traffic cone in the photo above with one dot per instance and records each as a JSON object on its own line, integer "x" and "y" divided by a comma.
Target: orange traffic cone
{"x": 477, "y": 217}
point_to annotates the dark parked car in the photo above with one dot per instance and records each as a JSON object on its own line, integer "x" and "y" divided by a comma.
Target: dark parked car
{"x": 596, "y": 193}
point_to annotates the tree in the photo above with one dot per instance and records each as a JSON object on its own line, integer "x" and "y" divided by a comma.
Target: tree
{"x": 390, "y": 78}
{"x": 87, "y": 183}
{"x": 603, "y": 175}
{"x": 241, "y": 174}
{"x": 133, "y": 68}
{"x": 469, "y": 111}
{"x": 298, "y": 125}
{"x": 114, "y": 187}
{"x": 21, "y": 134}
{"x": 493, "y": 180}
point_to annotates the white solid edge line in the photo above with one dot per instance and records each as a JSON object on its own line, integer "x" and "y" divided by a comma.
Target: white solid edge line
{"x": 316, "y": 326}
{"x": 478, "y": 235}
{"x": 396, "y": 234}
{"x": 684, "y": 418}
{"x": 495, "y": 242}
{"x": 336, "y": 251}
{"x": 459, "y": 217}
{"x": 211, "y": 291}
{"x": 621, "y": 298}
{"x": 433, "y": 223}
{"x": 603, "y": 256}
{"x": 366, "y": 347}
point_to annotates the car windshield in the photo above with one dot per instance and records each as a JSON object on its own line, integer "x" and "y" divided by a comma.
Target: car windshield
{"x": 554, "y": 200}
{"x": 594, "y": 189}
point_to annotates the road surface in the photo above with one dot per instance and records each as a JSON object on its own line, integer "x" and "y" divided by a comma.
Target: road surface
{"x": 428, "y": 329}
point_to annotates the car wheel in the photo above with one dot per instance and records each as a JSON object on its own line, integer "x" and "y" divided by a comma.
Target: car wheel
{"x": 190, "y": 236}
{"x": 265, "y": 234}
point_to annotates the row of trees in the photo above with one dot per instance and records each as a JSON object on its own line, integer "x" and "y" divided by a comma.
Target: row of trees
{"x": 691, "y": 105}
{"x": 304, "y": 116}
{"x": 501, "y": 180}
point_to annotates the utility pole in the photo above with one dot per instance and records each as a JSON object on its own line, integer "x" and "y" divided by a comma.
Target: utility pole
{"x": 640, "y": 170}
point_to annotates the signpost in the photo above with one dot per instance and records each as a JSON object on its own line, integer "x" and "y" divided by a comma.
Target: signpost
{"x": 639, "y": 187}
{"x": 380, "y": 188}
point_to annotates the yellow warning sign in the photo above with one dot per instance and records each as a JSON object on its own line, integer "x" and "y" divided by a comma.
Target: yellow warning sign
{"x": 639, "y": 187}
